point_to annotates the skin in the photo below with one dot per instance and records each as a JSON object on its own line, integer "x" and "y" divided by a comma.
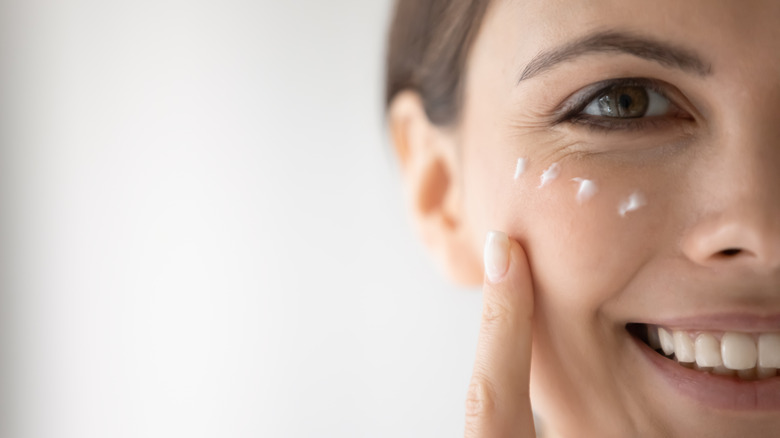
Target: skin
{"x": 709, "y": 171}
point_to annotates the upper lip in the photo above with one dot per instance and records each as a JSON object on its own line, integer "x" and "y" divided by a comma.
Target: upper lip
{"x": 730, "y": 322}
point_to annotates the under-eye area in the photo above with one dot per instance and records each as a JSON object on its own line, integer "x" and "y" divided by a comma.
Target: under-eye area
{"x": 745, "y": 356}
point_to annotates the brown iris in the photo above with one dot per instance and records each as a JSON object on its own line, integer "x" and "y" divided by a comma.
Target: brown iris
{"x": 624, "y": 102}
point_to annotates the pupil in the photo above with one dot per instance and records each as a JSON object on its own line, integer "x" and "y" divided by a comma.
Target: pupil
{"x": 630, "y": 101}
{"x": 625, "y": 101}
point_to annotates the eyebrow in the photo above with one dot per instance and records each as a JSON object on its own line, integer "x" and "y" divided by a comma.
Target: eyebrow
{"x": 618, "y": 42}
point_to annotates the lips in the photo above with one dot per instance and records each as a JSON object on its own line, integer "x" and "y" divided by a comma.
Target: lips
{"x": 721, "y": 369}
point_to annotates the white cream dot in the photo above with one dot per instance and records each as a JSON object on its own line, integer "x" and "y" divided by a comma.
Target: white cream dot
{"x": 520, "y": 168}
{"x": 634, "y": 202}
{"x": 586, "y": 191}
{"x": 550, "y": 174}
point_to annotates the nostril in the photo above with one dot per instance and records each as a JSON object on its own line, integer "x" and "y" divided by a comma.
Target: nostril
{"x": 736, "y": 241}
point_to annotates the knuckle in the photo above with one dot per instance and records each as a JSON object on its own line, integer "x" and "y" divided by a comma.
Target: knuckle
{"x": 495, "y": 312}
{"x": 481, "y": 398}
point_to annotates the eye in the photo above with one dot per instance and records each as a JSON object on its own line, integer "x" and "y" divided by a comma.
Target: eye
{"x": 627, "y": 102}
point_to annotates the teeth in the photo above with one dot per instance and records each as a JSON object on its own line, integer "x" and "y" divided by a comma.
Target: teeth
{"x": 683, "y": 347}
{"x": 667, "y": 342}
{"x": 708, "y": 351}
{"x": 769, "y": 350}
{"x": 738, "y": 350}
{"x": 652, "y": 338}
{"x": 748, "y": 356}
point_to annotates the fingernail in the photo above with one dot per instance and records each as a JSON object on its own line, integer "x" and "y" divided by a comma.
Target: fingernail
{"x": 496, "y": 255}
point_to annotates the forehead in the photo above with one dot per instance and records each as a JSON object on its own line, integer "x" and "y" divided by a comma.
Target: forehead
{"x": 514, "y": 31}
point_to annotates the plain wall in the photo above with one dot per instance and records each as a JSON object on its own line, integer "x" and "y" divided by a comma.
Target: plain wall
{"x": 203, "y": 231}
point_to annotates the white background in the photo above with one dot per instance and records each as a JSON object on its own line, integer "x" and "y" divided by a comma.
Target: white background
{"x": 203, "y": 228}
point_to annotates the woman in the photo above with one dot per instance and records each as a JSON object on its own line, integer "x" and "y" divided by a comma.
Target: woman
{"x": 627, "y": 153}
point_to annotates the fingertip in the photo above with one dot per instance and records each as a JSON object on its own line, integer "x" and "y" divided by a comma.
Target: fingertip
{"x": 519, "y": 259}
{"x": 508, "y": 282}
{"x": 496, "y": 256}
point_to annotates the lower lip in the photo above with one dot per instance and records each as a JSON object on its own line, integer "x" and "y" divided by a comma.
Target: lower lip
{"x": 718, "y": 392}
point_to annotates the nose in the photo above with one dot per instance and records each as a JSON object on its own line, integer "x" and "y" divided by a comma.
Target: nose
{"x": 744, "y": 236}
{"x": 737, "y": 215}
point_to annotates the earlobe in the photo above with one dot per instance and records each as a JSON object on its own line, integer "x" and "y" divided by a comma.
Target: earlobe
{"x": 431, "y": 173}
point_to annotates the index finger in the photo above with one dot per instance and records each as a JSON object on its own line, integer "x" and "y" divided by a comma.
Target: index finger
{"x": 498, "y": 402}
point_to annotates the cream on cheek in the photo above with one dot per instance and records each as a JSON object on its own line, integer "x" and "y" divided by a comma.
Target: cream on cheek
{"x": 522, "y": 163}
{"x": 586, "y": 188}
{"x": 550, "y": 174}
{"x": 634, "y": 202}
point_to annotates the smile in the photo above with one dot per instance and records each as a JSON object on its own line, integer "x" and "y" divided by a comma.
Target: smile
{"x": 748, "y": 356}
{"x": 721, "y": 369}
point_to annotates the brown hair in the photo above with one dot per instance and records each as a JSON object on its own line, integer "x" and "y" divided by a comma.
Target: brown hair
{"x": 428, "y": 47}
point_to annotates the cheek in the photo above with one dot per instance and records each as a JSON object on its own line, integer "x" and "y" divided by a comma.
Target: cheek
{"x": 586, "y": 233}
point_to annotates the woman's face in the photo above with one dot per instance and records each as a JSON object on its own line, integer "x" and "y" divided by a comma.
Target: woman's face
{"x": 674, "y": 105}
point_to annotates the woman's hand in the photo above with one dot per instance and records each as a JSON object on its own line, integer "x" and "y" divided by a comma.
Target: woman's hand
{"x": 498, "y": 404}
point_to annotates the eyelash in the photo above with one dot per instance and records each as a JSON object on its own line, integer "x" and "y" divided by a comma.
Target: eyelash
{"x": 572, "y": 111}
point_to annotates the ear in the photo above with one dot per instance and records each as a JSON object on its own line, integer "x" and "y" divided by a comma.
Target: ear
{"x": 432, "y": 177}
